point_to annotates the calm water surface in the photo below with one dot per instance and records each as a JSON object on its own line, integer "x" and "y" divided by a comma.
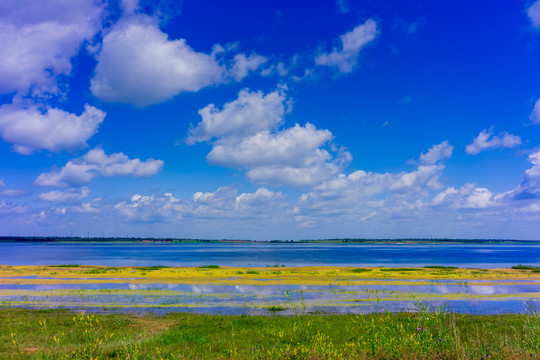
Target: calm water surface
{"x": 497, "y": 297}
{"x": 115, "y": 254}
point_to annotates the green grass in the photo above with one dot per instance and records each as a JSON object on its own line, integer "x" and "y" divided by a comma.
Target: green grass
{"x": 66, "y": 266}
{"x": 440, "y": 267}
{"x": 360, "y": 270}
{"x": 399, "y": 269}
{"x": 151, "y": 268}
{"x": 535, "y": 269}
{"x": 61, "y": 334}
{"x": 276, "y": 308}
{"x": 209, "y": 267}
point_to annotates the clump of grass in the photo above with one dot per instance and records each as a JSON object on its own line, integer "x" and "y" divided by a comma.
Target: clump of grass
{"x": 252, "y": 272}
{"x": 398, "y": 269}
{"x": 151, "y": 268}
{"x": 440, "y": 267}
{"x": 276, "y": 308}
{"x": 360, "y": 270}
{"x": 527, "y": 267}
{"x": 66, "y": 265}
{"x": 209, "y": 267}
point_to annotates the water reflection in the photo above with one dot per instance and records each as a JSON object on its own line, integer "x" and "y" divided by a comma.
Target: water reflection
{"x": 459, "y": 297}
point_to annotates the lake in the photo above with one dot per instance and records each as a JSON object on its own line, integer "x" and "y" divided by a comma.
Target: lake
{"x": 260, "y": 255}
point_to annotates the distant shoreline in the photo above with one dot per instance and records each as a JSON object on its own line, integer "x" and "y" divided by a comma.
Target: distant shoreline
{"x": 442, "y": 241}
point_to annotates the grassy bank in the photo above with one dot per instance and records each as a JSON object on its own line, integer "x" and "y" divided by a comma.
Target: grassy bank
{"x": 61, "y": 334}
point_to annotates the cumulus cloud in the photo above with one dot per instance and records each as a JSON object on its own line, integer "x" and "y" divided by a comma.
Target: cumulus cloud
{"x": 246, "y": 135}
{"x": 138, "y": 64}
{"x": 82, "y": 170}
{"x": 243, "y": 65}
{"x": 86, "y": 208}
{"x": 32, "y": 129}
{"x": 249, "y": 113}
{"x": 469, "y": 196}
{"x": 152, "y": 208}
{"x": 39, "y": 38}
{"x": 224, "y": 203}
{"x": 71, "y": 196}
{"x": 437, "y": 153}
{"x": 535, "y": 114}
{"x": 346, "y": 58}
{"x": 363, "y": 195}
{"x": 534, "y": 13}
{"x": 486, "y": 140}
{"x": 530, "y": 186}
{"x": 293, "y": 146}
{"x": 10, "y": 192}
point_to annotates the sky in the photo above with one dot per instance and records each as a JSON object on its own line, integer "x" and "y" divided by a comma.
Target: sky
{"x": 270, "y": 119}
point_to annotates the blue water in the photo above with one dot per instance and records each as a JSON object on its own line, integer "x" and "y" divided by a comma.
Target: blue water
{"x": 148, "y": 254}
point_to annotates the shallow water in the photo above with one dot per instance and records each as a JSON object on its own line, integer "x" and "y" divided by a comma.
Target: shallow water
{"x": 358, "y": 295}
{"x": 519, "y": 297}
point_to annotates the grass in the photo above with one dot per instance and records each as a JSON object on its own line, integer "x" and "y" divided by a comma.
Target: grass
{"x": 426, "y": 334}
{"x": 151, "y": 268}
{"x": 67, "y": 266}
{"x": 360, "y": 270}
{"x": 398, "y": 269}
{"x": 61, "y": 334}
{"x": 534, "y": 269}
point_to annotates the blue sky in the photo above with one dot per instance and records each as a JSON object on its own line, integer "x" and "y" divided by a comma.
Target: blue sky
{"x": 270, "y": 120}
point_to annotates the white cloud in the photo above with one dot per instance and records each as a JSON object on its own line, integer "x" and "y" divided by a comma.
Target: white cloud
{"x": 535, "y": 114}
{"x": 346, "y": 58}
{"x": 139, "y": 65}
{"x": 82, "y": 170}
{"x": 530, "y": 186}
{"x": 39, "y": 38}
{"x": 10, "y": 192}
{"x": 469, "y": 196}
{"x": 244, "y": 65}
{"x": 31, "y": 129}
{"x": 153, "y": 208}
{"x": 10, "y": 208}
{"x": 486, "y": 140}
{"x": 437, "y": 153}
{"x": 71, "y": 196}
{"x": 129, "y": 6}
{"x": 86, "y": 208}
{"x": 249, "y": 113}
{"x": 362, "y": 195}
{"x": 224, "y": 203}
{"x": 534, "y": 13}
{"x": 295, "y": 146}
{"x": 247, "y": 136}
